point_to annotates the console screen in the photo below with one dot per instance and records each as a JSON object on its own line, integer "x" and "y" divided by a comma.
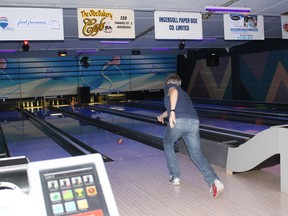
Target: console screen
{"x": 73, "y": 190}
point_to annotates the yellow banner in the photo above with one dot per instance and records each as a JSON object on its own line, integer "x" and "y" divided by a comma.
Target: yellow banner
{"x": 105, "y": 23}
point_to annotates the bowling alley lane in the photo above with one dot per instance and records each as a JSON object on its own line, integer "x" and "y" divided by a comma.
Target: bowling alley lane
{"x": 144, "y": 127}
{"x": 103, "y": 141}
{"x": 249, "y": 112}
{"x": 23, "y": 138}
{"x": 219, "y": 123}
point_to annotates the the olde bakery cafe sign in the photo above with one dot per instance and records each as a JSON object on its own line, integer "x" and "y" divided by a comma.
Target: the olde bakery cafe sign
{"x": 105, "y": 23}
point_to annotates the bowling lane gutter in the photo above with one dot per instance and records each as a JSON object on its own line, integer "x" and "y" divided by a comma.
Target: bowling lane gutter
{"x": 245, "y": 116}
{"x": 3, "y": 145}
{"x": 150, "y": 140}
{"x": 72, "y": 145}
{"x": 243, "y": 103}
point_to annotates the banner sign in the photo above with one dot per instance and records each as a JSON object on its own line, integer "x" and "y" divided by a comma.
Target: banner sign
{"x": 178, "y": 25}
{"x": 31, "y": 24}
{"x": 243, "y": 27}
{"x": 284, "y": 27}
{"x": 105, "y": 23}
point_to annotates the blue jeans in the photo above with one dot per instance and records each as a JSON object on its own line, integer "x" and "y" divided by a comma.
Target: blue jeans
{"x": 188, "y": 129}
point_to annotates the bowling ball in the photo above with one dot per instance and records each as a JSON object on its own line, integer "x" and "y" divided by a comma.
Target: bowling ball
{"x": 120, "y": 141}
{"x": 98, "y": 118}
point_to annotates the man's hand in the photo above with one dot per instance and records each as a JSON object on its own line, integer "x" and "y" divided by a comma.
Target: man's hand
{"x": 160, "y": 119}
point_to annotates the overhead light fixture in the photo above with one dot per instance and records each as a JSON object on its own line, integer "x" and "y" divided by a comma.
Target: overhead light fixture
{"x": 8, "y": 50}
{"x": 206, "y": 39}
{"x": 182, "y": 45}
{"x": 114, "y": 42}
{"x": 25, "y": 46}
{"x": 135, "y": 52}
{"x": 228, "y": 9}
{"x": 62, "y": 53}
{"x": 212, "y": 58}
{"x": 84, "y": 62}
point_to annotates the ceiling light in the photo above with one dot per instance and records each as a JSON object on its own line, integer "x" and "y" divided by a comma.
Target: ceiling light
{"x": 25, "y": 46}
{"x": 206, "y": 39}
{"x": 62, "y": 53}
{"x": 135, "y": 52}
{"x": 228, "y": 9}
{"x": 8, "y": 50}
{"x": 182, "y": 45}
{"x": 212, "y": 58}
{"x": 84, "y": 62}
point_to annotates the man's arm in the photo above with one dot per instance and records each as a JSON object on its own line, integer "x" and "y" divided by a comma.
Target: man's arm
{"x": 173, "y": 94}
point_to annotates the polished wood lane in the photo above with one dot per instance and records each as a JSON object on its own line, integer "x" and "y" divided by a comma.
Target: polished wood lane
{"x": 141, "y": 188}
